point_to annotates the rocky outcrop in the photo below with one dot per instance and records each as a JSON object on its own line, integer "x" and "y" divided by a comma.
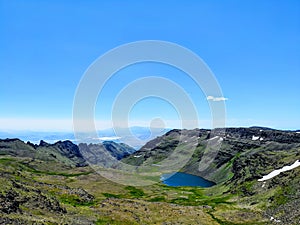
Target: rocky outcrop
{"x": 10, "y": 202}
{"x": 70, "y": 151}
{"x": 106, "y": 153}
{"x": 118, "y": 150}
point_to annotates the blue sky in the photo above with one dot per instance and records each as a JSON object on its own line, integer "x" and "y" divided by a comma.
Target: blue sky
{"x": 252, "y": 47}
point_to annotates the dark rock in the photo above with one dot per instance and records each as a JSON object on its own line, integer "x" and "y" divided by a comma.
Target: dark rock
{"x": 10, "y": 202}
{"x": 43, "y": 144}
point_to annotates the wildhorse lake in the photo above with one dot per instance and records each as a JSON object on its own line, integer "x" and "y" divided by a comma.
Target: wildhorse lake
{"x": 178, "y": 179}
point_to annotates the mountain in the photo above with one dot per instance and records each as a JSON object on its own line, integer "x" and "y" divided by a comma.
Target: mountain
{"x": 97, "y": 151}
{"x": 64, "y": 152}
{"x": 245, "y": 155}
{"x": 52, "y": 184}
{"x": 235, "y": 143}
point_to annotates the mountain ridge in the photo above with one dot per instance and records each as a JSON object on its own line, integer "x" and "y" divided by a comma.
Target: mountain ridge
{"x": 234, "y": 141}
{"x": 64, "y": 151}
{"x": 56, "y": 181}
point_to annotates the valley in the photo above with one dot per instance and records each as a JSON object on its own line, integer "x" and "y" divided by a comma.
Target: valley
{"x": 54, "y": 183}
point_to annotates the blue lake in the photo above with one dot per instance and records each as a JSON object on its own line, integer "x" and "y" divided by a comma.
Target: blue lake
{"x": 183, "y": 179}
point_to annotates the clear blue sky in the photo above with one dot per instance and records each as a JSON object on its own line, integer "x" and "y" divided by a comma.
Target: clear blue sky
{"x": 251, "y": 46}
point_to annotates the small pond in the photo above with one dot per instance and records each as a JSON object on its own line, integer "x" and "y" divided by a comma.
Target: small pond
{"x": 183, "y": 179}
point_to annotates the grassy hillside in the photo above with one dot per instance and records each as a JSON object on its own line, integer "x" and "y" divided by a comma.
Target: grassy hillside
{"x": 245, "y": 155}
{"x": 37, "y": 188}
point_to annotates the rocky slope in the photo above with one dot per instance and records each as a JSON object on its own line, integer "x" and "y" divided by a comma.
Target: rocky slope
{"x": 243, "y": 156}
{"x": 52, "y": 184}
{"x": 269, "y": 149}
{"x": 62, "y": 151}
{"x": 116, "y": 150}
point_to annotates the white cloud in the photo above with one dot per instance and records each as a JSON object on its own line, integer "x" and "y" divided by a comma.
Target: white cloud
{"x": 107, "y": 138}
{"x": 216, "y": 99}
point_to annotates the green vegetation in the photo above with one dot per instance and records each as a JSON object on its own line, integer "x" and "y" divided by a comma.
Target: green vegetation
{"x": 109, "y": 195}
{"x": 74, "y": 200}
{"x": 105, "y": 221}
{"x": 37, "y": 188}
{"x": 158, "y": 199}
{"x": 135, "y": 192}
